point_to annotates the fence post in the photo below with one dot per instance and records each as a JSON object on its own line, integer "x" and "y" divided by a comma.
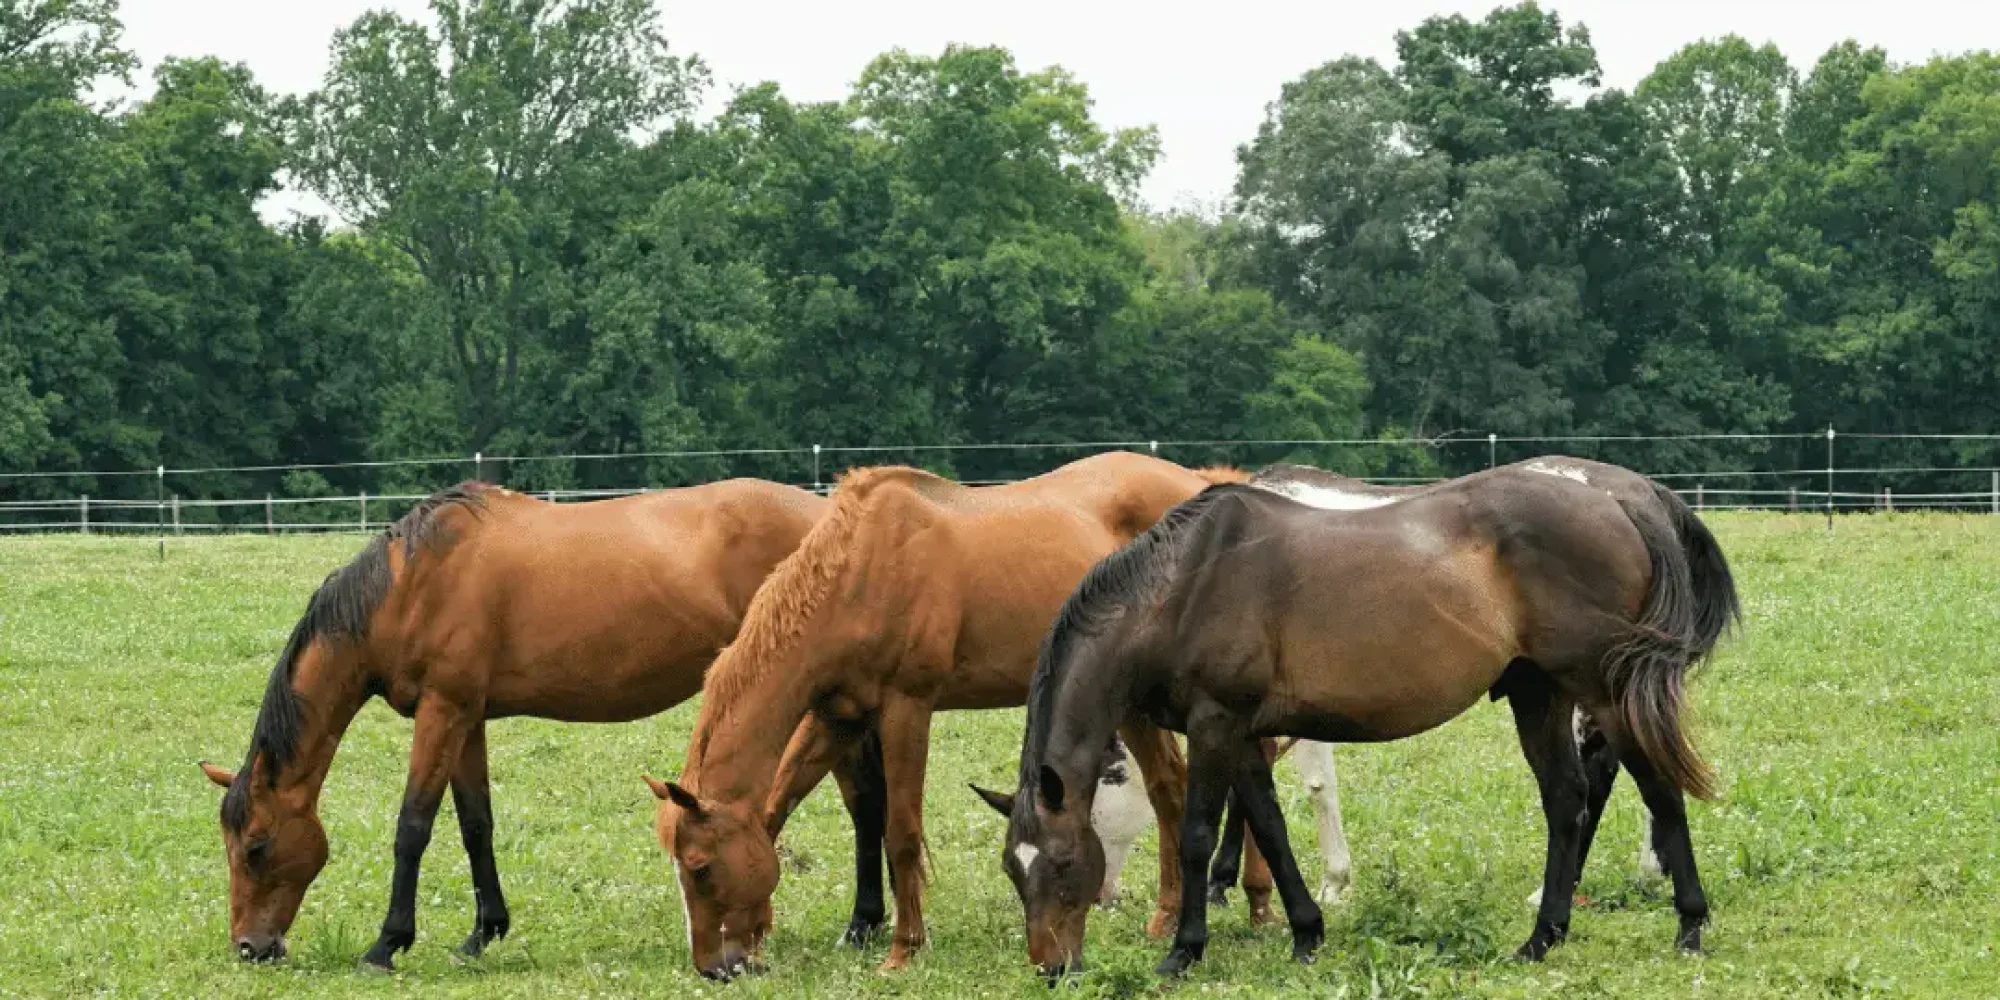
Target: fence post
{"x": 270, "y": 527}
{"x": 1888, "y": 499}
{"x": 83, "y": 514}
{"x": 1996, "y": 491}
{"x": 1700, "y": 497}
{"x": 1791, "y": 499}
{"x": 364, "y": 512}
{"x": 1492, "y": 448}
{"x": 176, "y": 501}
{"x": 160, "y": 507}
{"x": 1829, "y": 478}
{"x": 479, "y": 466}
{"x": 815, "y": 468}
{"x": 1153, "y": 448}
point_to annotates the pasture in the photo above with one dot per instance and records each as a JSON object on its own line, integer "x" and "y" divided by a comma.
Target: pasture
{"x": 1855, "y": 723}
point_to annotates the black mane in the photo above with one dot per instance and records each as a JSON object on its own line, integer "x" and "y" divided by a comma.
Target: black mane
{"x": 1124, "y": 578}
{"x": 339, "y": 610}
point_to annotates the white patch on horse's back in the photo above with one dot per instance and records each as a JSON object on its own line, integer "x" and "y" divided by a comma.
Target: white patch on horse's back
{"x": 687, "y": 916}
{"x": 1026, "y": 855}
{"x": 1565, "y": 471}
{"x": 1326, "y": 497}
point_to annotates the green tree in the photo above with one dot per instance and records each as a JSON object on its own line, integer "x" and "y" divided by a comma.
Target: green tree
{"x": 478, "y": 150}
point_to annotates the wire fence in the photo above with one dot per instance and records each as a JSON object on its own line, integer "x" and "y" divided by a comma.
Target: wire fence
{"x": 197, "y": 501}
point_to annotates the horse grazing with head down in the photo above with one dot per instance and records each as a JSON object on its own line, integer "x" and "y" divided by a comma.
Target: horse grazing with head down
{"x": 481, "y": 603}
{"x": 914, "y": 595}
{"x": 1557, "y": 584}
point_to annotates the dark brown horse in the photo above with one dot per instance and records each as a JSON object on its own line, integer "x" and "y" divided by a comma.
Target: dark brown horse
{"x": 479, "y": 604}
{"x": 1555, "y": 583}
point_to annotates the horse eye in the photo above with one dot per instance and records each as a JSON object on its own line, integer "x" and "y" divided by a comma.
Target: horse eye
{"x": 699, "y": 873}
{"x": 258, "y": 852}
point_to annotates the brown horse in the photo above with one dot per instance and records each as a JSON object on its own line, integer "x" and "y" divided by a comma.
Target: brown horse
{"x": 1555, "y": 583}
{"x": 915, "y": 595}
{"x": 482, "y": 603}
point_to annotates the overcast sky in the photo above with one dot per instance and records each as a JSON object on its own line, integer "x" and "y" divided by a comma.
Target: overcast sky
{"x": 1203, "y": 80}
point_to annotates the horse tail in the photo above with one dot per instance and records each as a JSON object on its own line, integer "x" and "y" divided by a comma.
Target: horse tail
{"x": 1691, "y": 603}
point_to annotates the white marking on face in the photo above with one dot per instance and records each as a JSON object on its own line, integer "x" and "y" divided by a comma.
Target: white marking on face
{"x": 687, "y": 916}
{"x": 1565, "y": 471}
{"x": 1327, "y": 498}
{"x": 1025, "y": 855}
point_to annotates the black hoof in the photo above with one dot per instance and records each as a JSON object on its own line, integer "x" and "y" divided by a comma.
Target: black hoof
{"x": 1306, "y": 942}
{"x": 1178, "y": 962}
{"x": 487, "y": 932}
{"x": 1689, "y": 940}
{"x": 860, "y": 931}
{"x": 1218, "y": 894}
{"x": 381, "y": 956}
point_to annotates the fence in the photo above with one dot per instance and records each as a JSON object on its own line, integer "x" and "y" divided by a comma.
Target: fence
{"x": 1793, "y": 486}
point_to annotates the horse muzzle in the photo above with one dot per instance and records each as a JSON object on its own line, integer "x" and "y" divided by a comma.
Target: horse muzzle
{"x": 260, "y": 947}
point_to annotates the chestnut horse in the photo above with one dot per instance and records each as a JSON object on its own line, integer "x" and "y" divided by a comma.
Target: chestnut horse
{"x": 482, "y": 603}
{"x": 1556, "y": 583}
{"x": 915, "y": 595}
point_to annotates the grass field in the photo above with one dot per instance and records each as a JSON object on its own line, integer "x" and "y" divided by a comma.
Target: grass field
{"x": 1855, "y": 852}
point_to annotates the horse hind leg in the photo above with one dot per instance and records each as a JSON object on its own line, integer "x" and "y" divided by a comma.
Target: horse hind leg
{"x": 1542, "y": 721}
{"x": 1674, "y": 845}
{"x": 1600, "y": 769}
{"x": 471, "y": 800}
{"x": 864, "y": 790}
{"x": 1166, "y": 776}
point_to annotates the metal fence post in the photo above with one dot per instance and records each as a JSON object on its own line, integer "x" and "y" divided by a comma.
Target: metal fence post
{"x": 176, "y": 503}
{"x": 83, "y": 514}
{"x": 816, "y": 483}
{"x": 479, "y": 466}
{"x": 1153, "y": 448}
{"x": 1700, "y": 498}
{"x": 160, "y": 507}
{"x": 1492, "y": 449}
{"x": 364, "y": 512}
{"x": 1888, "y": 499}
{"x": 1829, "y": 477}
{"x": 1996, "y": 491}
{"x": 1791, "y": 499}
{"x": 270, "y": 526}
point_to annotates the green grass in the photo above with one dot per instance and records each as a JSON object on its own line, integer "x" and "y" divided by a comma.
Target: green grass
{"x": 1855, "y": 852}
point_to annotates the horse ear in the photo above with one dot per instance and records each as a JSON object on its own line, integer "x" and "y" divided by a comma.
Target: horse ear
{"x": 683, "y": 798}
{"x": 1002, "y": 804}
{"x": 659, "y": 787}
{"x": 218, "y": 775}
{"x": 1052, "y": 789}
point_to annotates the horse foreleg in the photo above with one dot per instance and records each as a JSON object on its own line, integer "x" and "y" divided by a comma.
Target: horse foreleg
{"x": 442, "y": 729}
{"x": 1165, "y": 774}
{"x": 1207, "y": 788}
{"x": 865, "y": 791}
{"x": 1542, "y": 722}
{"x": 1315, "y": 764}
{"x": 1259, "y": 799}
{"x": 905, "y": 726}
{"x": 471, "y": 800}
{"x": 1257, "y": 881}
{"x": 1228, "y": 854}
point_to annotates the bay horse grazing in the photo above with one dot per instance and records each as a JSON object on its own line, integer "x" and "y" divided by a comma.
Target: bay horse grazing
{"x": 914, "y": 595}
{"x": 1555, "y": 583}
{"x": 1316, "y": 487}
{"x": 481, "y": 603}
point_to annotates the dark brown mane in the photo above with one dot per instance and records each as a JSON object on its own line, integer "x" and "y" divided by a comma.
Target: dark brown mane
{"x": 338, "y": 611}
{"x": 793, "y": 593}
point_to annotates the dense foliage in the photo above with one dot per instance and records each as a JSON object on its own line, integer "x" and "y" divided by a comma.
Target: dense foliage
{"x": 541, "y": 250}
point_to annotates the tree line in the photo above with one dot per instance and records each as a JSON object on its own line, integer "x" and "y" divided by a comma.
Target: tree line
{"x": 542, "y": 249}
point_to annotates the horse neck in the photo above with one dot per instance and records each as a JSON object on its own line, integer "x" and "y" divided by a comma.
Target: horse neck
{"x": 740, "y": 741}
{"x": 1092, "y": 696}
{"x": 330, "y": 686}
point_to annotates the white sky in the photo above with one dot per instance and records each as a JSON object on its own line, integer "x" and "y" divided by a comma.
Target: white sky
{"x": 1202, "y": 79}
